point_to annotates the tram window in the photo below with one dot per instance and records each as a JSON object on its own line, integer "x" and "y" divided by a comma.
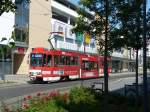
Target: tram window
{"x": 56, "y": 60}
{"x": 93, "y": 66}
{"x": 63, "y": 60}
{"x": 49, "y": 60}
{"x": 89, "y": 65}
{"x": 74, "y": 60}
{"x": 85, "y": 65}
{"x": 44, "y": 60}
{"x": 33, "y": 62}
{"x": 36, "y": 60}
{"x": 59, "y": 60}
{"x": 68, "y": 60}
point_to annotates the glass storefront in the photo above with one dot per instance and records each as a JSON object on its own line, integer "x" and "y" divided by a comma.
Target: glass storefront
{"x": 6, "y": 62}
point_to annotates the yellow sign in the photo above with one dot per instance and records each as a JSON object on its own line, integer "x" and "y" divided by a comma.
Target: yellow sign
{"x": 87, "y": 37}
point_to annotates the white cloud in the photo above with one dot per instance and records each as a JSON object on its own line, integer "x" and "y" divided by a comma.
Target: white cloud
{"x": 6, "y": 24}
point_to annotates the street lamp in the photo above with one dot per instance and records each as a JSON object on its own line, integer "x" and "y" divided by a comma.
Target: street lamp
{"x": 8, "y": 43}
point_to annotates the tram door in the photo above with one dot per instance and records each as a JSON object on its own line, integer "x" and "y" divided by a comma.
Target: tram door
{"x": 89, "y": 69}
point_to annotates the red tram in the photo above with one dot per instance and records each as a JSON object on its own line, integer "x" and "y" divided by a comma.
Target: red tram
{"x": 54, "y": 65}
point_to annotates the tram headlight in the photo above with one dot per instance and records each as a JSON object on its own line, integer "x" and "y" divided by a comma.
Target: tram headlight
{"x": 38, "y": 73}
{"x": 35, "y": 72}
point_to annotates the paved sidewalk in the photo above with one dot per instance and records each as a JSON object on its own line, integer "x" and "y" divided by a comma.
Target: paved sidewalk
{"x": 9, "y": 84}
{"x": 14, "y": 80}
{"x": 123, "y": 74}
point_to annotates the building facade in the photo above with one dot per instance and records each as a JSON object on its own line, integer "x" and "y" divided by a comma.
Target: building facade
{"x": 37, "y": 22}
{"x": 32, "y": 29}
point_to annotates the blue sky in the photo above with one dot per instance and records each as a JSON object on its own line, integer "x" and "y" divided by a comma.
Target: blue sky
{"x": 76, "y": 1}
{"x": 148, "y": 3}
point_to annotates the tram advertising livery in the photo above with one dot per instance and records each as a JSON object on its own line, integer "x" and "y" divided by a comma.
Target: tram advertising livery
{"x": 54, "y": 65}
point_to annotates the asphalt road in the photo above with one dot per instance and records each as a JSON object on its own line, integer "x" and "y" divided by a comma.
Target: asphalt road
{"x": 27, "y": 89}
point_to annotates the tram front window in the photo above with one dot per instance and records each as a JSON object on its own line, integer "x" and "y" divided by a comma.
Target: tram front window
{"x": 36, "y": 60}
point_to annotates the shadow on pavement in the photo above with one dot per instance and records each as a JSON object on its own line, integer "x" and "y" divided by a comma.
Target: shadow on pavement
{"x": 130, "y": 89}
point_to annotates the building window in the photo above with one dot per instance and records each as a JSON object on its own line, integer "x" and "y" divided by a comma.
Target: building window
{"x": 59, "y": 17}
{"x": 22, "y": 21}
{"x": 72, "y": 22}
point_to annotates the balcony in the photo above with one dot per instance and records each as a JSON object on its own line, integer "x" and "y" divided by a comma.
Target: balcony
{"x": 57, "y": 6}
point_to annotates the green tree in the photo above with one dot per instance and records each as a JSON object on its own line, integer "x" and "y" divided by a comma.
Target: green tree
{"x": 6, "y": 6}
{"x": 102, "y": 25}
{"x": 6, "y": 46}
{"x": 112, "y": 20}
{"x": 130, "y": 16}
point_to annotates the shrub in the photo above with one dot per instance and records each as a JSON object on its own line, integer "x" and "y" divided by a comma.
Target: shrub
{"x": 81, "y": 100}
{"x": 42, "y": 102}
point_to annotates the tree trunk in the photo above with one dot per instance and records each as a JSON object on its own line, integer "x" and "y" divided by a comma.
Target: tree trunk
{"x": 136, "y": 74}
{"x": 3, "y": 65}
{"x": 106, "y": 106}
{"x": 144, "y": 59}
{"x": 136, "y": 81}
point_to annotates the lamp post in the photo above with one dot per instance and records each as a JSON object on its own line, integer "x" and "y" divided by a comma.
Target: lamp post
{"x": 5, "y": 42}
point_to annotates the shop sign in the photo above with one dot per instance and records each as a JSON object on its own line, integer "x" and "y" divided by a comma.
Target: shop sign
{"x": 20, "y": 50}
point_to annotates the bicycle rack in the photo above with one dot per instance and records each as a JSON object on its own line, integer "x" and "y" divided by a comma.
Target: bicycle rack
{"x": 97, "y": 86}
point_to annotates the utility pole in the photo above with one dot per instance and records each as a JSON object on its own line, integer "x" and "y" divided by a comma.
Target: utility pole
{"x": 144, "y": 59}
